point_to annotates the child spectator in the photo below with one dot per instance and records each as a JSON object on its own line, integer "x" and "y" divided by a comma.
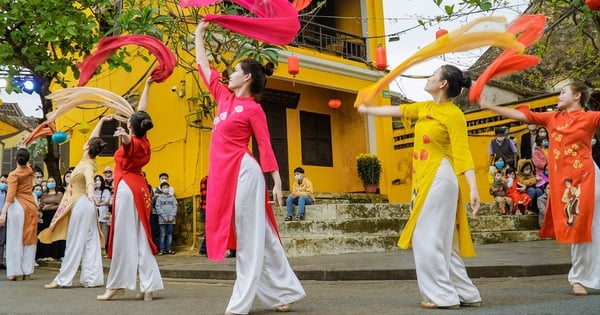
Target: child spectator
{"x": 526, "y": 176}
{"x": 516, "y": 191}
{"x": 498, "y": 167}
{"x": 499, "y": 191}
{"x": 166, "y": 208}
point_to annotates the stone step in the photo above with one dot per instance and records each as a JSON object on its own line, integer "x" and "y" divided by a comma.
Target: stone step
{"x": 379, "y": 242}
{"x": 345, "y": 198}
{"x": 494, "y": 223}
{"x": 347, "y": 227}
{"x": 333, "y": 245}
{"x": 494, "y": 237}
{"x": 327, "y": 212}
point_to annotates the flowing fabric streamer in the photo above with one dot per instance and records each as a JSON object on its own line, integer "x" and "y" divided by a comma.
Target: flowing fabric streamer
{"x": 301, "y": 4}
{"x": 109, "y": 45}
{"x": 531, "y": 28}
{"x": 69, "y": 98}
{"x": 485, "y": 31}
{"x": 276, "y": 21}
{"x": 44, "y": 129}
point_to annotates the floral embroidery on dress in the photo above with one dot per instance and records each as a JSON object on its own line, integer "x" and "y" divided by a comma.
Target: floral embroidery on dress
{"x": 239, "y": 109}
{"x": 223, "y": 115}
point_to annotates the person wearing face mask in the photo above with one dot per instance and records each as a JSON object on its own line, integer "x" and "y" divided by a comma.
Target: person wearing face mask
{"x": 102, "y": 200}
{"x": 21, "y": 209}
{"x": 539, "y": 157}
{"x": 154, "y": 224}
{"x": 76, "y": 221}
{"x": 108, "y": 178}
{"x": 502, "y": 146}
{"x": 301, "y": 195}
{"x": 49, "y": 202}
{"x": 67, "y": 179}
{"x": 526, "y": 176}
{"x": 166, "y": 207}
{"x": 3, "y": 189}
{"x": 571, "y": 128}
{"x": 38, "y": 178}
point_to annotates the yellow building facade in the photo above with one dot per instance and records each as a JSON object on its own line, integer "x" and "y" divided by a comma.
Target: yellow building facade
{"x": 333, "y": 66}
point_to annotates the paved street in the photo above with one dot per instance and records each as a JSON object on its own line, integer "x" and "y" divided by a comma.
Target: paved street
{"x": 529, "y": 295}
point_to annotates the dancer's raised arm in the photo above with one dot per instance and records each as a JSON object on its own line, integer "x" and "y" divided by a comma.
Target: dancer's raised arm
{"x": 201, "y": 56}
{"x": 505, "y": 111}
{"x": 144, "y": 98}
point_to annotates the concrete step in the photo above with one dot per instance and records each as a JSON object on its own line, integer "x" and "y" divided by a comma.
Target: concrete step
{"x": 495, "y": 237}
{"x": 503, "y": 223}
{"x": 328, "y": 212}
{"x": 332, "y": 245}
{"x": 348, "y": 227}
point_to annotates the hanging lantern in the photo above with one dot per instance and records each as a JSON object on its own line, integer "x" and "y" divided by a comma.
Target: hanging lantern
{"x": 380, "y": 58}
{"x": 84, "y": 127}
{"x": 441, "y": 32}
{"x": 593, "y": 5}
{"x": 293, "y": 67}
{"x": 59, "y": 137}
{"x": 335, "y": 103}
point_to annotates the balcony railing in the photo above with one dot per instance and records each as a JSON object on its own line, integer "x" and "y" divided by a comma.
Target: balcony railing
{"x": 331, "y": 40}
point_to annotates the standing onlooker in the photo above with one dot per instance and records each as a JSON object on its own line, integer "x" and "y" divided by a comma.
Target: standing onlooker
{"x": 528, "y": 142}
{"x": 570, "y": 163}
{"x": 166, "y": 208}
{"x": 438, "y": 228}
{"x": 49, "y": 202}
{"x": 76, "y": 220}
{"x": 102, "y": 200}
{"x": 539, "y": 157}
{"x": 67, "y": 179}
{"x": 108, "y": 178}
{"x": 154, "y": 220}
{"x": 237, "y": 196}
{"x": 130, "y": 246}
{"x": 3, "y": 189}
{"x": 502, "y": 146}
{"x": 21, "y": 232}
{"x": 301, "y": 195}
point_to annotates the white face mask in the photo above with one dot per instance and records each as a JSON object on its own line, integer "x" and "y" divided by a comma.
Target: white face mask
{"x": 67, "y": 180}
{"x": 163, "y": 180}
{"x": 542, "y": 134}
{"x": 38, "y": 181}
{"x": 500, "y": 139}
{"x": 298, "y": 177}
{"x": 98, "y": 183}
{"x": 526, "y": 172}
{"x": 594, "y": 141}
{"x": 165, "y": 190}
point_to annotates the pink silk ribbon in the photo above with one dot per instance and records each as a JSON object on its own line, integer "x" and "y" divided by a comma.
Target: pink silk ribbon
{"x": 109, "y": 45}
{"x": 276, "y": 21}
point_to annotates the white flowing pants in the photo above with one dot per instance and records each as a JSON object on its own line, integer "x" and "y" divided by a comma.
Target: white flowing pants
{"x": 585, "y": 257}
{"x": 262, "y": 269}
{"x": 441, "y": 273}
{"x": 20, "y": 260}
{"x": 130, "y": 249}
{"x": 83, "y": 247}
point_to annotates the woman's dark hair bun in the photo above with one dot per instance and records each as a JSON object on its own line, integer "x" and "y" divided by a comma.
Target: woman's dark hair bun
{"x": 466, "y": 82}
{"x": 269, "y": 67}
{"x": 146, "y": 124}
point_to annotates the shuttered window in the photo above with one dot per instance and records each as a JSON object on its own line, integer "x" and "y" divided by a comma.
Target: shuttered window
{"x": 315, "y": 133}
{"x": 106, "y": 133}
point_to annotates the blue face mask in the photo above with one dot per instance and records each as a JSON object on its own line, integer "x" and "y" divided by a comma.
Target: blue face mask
{"x": 545, "y": 143}
{"x": 3, "y": 186}
{"x": 500, "y": 164}
{"x": 38, "y": 193}
{"x": 546, "y": 173}
{"x": 51, "y": 185}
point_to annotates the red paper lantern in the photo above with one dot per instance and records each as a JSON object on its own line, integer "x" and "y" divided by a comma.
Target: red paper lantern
{"x": 441, "y": 32}
{"x": 380, "y": 58}
{"x": 335, "y": 103}
{"x": 293, "y": 65}
{"x": 594, "y": 5}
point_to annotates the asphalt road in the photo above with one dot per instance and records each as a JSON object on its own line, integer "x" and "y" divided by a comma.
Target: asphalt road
{"x": 529, "y": 295}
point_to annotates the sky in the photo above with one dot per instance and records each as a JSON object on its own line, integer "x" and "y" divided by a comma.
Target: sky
{"x": 401, "y": 15}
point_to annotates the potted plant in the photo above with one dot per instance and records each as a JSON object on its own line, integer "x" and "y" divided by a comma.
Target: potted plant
{"x": 368, "y": 167}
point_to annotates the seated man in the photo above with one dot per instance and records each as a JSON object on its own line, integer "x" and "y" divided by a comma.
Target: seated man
{"x": 302, "y": 194}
